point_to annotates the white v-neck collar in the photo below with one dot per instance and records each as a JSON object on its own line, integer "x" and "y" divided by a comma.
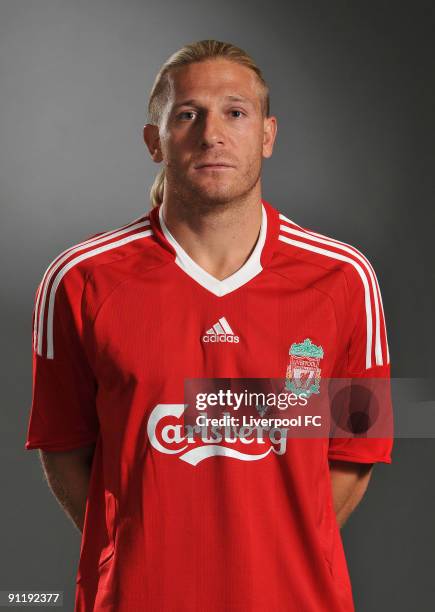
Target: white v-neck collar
{"x": 250, "y": 268}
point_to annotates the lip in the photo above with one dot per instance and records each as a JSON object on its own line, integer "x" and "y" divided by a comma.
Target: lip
{"x": 213, "y": 167}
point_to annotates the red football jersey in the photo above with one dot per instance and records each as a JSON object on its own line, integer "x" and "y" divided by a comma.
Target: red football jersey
{"x": 180, "y": 524}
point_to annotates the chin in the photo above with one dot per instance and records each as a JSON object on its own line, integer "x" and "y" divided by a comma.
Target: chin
{"x": 218, "y": 199}
{"x": 192, "y": 191}
{"x": 215, "y": 194}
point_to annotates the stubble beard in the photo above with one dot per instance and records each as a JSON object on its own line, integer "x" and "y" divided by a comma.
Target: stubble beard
{"x": 218, "y": 197}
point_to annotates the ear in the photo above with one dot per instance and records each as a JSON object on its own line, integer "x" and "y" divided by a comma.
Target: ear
{"x": 152, "y": 141}
{"x": 269, "y": 135}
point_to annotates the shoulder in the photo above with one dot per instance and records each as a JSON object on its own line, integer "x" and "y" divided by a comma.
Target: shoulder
{"x": 97, "y": 249}
{"x": 346, "y": 274}
{"x": 104, "y": 247}
{"x": 63, "y": 281}
{"x": 326, "y": 253}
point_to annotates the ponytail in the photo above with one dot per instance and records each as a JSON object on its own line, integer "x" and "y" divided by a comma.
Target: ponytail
{"x": 156, "y": 191}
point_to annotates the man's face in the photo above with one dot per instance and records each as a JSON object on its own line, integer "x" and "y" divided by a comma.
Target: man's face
{"x": 213, "y": 135}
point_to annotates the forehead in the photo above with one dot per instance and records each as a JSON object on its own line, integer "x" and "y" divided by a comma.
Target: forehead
{"x": 213, "y": 78}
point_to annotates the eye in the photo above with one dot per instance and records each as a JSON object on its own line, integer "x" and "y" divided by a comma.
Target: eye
{"x": 181, "y": 115}
{"x": 236, "y": 110}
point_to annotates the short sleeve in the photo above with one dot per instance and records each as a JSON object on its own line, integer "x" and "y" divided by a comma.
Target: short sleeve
{"x": 63, "y": 410}
{"x": 364, "y": 411}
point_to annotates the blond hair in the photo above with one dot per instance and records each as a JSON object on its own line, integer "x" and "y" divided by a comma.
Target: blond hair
{"x": 195, "y": 52}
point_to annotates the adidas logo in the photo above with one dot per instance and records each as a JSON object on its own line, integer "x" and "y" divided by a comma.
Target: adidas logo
{"x": 220, "y": 332}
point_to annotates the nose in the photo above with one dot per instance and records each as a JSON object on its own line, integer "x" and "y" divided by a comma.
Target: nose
{"x": 212, "y": 131}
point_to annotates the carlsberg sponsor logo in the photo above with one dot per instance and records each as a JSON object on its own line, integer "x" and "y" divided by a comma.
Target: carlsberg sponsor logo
{"x": 179, "y": 439}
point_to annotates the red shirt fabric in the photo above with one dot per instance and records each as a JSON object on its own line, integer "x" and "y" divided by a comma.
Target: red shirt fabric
{"x": 120, "y": 321}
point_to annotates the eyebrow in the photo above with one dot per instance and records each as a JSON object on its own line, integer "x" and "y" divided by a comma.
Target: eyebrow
{"x": 193, "y": 102}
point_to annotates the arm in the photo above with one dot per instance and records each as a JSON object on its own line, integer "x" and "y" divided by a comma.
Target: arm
{"x": 68, "y": 475}
{"x": 349, "y": 482}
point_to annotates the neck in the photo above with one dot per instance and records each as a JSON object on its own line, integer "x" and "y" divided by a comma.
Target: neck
{"x": 219, "y": 238}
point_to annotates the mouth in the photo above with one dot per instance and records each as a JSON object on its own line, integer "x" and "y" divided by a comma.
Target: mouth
{"x": 213, "y": 167}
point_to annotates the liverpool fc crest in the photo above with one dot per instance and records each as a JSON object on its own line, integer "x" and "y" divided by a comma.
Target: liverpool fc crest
{"x": 303, "y": 371}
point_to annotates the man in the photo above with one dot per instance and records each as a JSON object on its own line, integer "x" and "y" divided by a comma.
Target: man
{"x": 213, "y": 283}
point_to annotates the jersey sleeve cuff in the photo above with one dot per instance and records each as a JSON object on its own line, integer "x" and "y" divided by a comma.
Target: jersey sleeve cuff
{"x": 59, "y": 446}
{"x": 357, "y": 458}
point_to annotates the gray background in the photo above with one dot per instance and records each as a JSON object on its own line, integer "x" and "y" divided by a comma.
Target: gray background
{"x": 352, "y": 87}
